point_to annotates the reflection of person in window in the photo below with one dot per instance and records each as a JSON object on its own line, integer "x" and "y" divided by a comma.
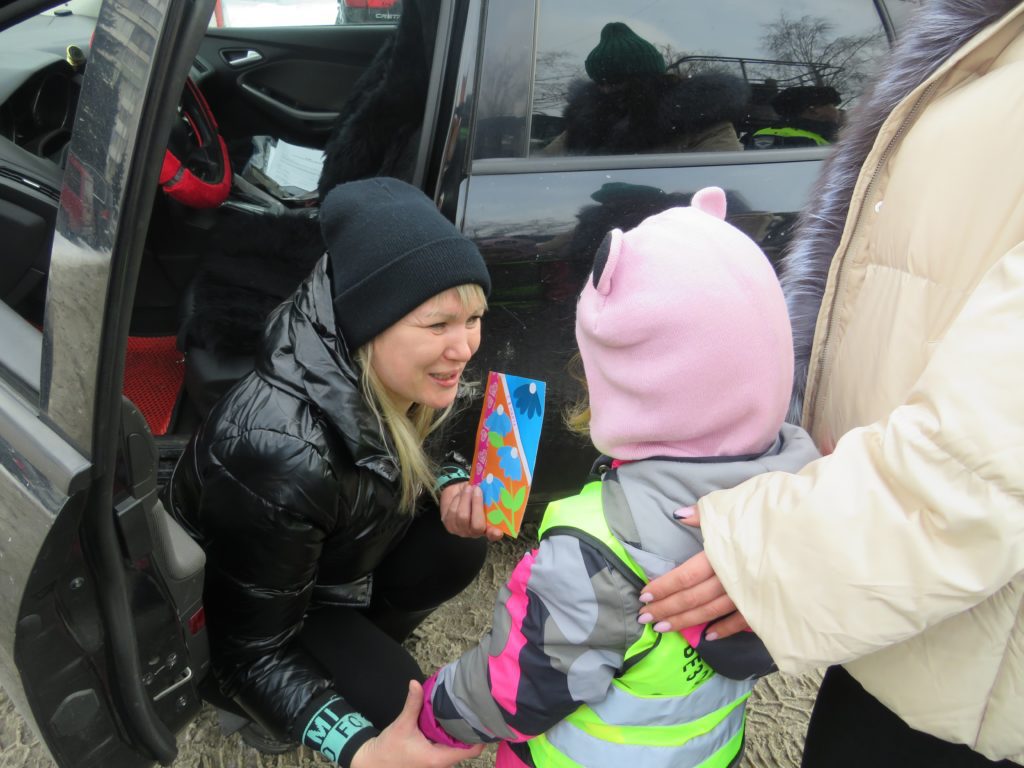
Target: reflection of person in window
{"x": 632, "y": 105}
{"x": 809, "y": 118}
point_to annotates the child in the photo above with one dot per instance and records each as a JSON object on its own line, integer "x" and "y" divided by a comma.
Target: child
{"x": 687, "y": 351}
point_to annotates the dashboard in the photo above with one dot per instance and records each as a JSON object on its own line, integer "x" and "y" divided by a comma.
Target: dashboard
{"x": 39, "y": 114}
{"x": 41, "y": 65}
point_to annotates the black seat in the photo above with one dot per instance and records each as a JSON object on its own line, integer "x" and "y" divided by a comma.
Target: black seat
{"x": 256, "y": 262}
{"x": 209, "y": 374}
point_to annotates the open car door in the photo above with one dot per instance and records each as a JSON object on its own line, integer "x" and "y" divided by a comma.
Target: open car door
{"x": 102, "y": 639}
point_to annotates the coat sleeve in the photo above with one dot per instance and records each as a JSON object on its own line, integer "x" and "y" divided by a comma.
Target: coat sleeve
{"x": 559, "y": 636}
{"x": 912, "y": 519}
{"x": 267, "y": 503}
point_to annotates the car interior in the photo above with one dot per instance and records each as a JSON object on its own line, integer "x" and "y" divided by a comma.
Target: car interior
{"x": 226, "y": 243}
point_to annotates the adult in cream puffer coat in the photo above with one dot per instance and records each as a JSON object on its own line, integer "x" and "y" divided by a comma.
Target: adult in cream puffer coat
{"x": 901, "y": 553}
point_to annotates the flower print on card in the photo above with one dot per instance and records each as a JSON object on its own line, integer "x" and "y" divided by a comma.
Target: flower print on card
{"x": 505, "y": 454}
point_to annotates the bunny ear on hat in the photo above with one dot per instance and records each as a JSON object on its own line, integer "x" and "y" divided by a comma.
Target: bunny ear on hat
{"x": 710, "y": 200}
{"x": 605, "y": 261}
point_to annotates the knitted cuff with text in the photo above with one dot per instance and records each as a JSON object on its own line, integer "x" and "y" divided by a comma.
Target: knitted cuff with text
{"x": 334, "y": 729}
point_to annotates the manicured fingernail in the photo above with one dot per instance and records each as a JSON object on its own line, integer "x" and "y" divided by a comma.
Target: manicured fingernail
{"x": 711, "y": 636}
{"x": 645, "y": 618}
{"x": 662, "y": 626}
{"x": 682, "y": 513}
{"x": 646, "y": 597}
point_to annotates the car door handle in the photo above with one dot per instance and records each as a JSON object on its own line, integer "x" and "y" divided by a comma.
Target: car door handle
{"x": 316, "y": 118}
{"x": 183, "y": 678}
{"x": 241, "y": 57}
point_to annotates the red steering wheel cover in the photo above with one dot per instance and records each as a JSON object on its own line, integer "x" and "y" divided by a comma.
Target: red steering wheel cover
{"x": 183, "y": 185}
{"x": 187, "y": 188}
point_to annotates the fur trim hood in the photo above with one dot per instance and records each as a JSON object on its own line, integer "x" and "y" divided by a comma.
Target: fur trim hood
{"x": 939, "y": 29}
{"x": 651, "y": 113}
{"x": 376, "y": 132}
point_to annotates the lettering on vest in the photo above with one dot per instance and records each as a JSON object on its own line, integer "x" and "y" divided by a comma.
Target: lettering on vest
{"x": 694, "y": 668}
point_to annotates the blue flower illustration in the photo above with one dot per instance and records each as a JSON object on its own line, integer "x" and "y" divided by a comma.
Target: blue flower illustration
{"x": 492, "y": 489}
{"x": 499, "y": 421}
{"x": 527, "y": 400}
{"x": 508, "y": 460}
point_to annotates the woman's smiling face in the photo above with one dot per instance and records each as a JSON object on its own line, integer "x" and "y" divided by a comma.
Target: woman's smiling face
{"x": 420, "y": 359}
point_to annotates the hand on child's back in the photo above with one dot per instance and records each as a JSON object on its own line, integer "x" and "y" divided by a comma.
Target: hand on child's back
{"x": 691, "y": 594}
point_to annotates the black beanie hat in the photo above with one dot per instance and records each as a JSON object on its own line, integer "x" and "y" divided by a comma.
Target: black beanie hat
{"x": 622, "y": 53}
{"x": 390, "y": 250}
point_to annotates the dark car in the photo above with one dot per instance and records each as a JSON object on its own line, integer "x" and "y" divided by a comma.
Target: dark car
{"x": 140, "y": 257}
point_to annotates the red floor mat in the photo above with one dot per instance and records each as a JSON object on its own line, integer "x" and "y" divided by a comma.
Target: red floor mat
{"x": 154, "y": 370}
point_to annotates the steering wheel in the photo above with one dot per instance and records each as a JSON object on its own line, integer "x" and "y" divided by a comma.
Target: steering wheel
{"x": 196, "y": 171}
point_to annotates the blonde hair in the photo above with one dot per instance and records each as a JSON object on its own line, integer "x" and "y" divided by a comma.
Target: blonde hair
{"x": 577, "y": 416}
{"x": 410, "y": 429}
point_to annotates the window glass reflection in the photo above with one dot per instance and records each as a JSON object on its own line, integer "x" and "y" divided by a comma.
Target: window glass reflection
{"x": 624, "y": 78}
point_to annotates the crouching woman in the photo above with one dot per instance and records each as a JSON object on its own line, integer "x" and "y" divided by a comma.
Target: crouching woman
{"x": 304, "y": 483}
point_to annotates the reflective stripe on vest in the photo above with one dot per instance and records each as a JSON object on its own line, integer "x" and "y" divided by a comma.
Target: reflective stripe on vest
{"x": 668, "y": 708}
{"x": 717, "y": 749}
{"x": 793, "y": 133}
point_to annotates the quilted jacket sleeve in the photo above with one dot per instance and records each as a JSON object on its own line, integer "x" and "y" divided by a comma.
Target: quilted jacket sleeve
{"x": 559, "y": 637}
{"x": 269, "y": 500}
{"x": 912, "y": 519}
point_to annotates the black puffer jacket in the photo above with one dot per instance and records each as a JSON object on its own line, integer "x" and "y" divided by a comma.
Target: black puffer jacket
{"x": 290, "y": 489}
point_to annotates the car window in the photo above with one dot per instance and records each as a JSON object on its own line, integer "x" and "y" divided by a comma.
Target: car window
{"x": 304, "y": 13}
{"x": 41, "y": 62}
{"x": 901, "y": 10}
{"x": 614, "y": 78}
{"x": 503, "y": 100}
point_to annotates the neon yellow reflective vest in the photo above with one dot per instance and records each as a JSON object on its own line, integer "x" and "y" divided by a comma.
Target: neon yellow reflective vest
{"x": 790, "y": 133}
{"x": 668, "y": 708}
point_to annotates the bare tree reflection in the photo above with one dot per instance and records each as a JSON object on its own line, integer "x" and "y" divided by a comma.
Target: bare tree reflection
{"x": 555, "y": 70}
{"x": 843, "y": 62}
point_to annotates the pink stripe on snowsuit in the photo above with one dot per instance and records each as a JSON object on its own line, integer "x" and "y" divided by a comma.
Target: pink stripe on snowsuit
{"x": 504, "y": 668}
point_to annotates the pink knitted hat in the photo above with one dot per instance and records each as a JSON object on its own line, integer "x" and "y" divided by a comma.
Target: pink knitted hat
{"x": 685, "y": 338}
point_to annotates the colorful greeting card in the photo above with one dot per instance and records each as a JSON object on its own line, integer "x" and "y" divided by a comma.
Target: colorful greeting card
{"x": 506, "y": 447}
